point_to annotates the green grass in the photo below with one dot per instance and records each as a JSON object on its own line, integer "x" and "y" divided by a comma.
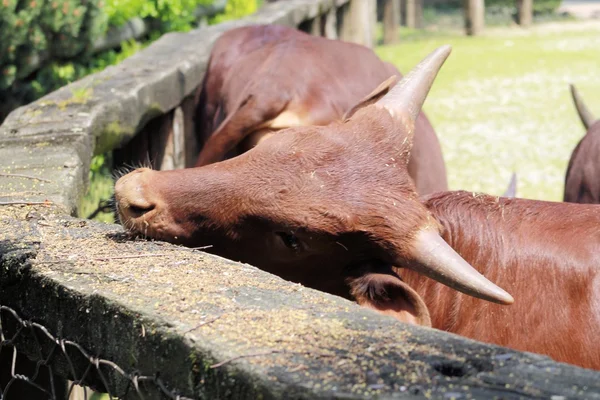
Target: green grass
{"x": 501, "y": 103}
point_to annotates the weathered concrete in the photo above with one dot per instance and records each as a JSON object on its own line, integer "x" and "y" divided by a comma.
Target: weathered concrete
{"x": 156, "y": 307}
{"x": 105, "y": 110}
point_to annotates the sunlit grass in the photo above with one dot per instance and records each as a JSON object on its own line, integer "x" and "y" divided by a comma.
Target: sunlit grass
{"x": 502, "y": 102}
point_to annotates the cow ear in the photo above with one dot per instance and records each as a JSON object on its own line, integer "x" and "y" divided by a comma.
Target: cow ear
{"x": 389, "y": 295}
{"x": 372, "y": 97}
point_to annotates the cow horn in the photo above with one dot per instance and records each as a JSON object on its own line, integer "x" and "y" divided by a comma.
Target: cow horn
{"x": 584, "y": 114}
{"x": 433, "y": 257}
{"x": 408, "y": 96}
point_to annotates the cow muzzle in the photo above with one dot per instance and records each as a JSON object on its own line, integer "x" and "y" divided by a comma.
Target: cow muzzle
{"x": 133, "y": 200}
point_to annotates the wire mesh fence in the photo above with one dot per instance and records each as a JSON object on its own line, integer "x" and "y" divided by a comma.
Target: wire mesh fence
{"x": 35, "y": 364}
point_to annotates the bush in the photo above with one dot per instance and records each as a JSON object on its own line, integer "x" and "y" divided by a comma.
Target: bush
{"x": 236, "y": 9}
{"x": 59, "y": 35}
{"x": 55, "y": 29}
{"x": 174, "y": 15}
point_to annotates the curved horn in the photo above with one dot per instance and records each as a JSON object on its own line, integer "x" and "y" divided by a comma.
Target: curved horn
{"x": 511, "y": 190}
{"x": 408, "y": 96}
{"x": 434, "y": 258}
{"x": 584, "y": 114}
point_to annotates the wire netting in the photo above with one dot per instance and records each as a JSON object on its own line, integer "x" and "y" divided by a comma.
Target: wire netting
{"x": 35, "y": 364}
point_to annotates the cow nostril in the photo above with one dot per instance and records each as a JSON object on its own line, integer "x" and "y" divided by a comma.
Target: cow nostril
{"x": 138, "y": 211}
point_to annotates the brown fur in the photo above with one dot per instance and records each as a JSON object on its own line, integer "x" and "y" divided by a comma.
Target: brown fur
{"x": 334, "y": 208}
{"x": 255, "y": 73}
{"x": 546, "y": 254}
{"x": 582, "y": 180}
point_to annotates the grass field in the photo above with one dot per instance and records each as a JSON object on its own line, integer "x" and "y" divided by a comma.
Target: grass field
{"x": 502, "y": 103}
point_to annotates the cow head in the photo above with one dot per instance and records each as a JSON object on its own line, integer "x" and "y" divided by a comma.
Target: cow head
{"x": 332, "y": 207}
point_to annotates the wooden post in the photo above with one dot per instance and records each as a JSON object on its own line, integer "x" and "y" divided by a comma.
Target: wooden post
{"x": 192, "y": 144}
{"x": 173, "y": 156}
{"x": 330, "y": 22}
{"x": 359, "y": 18}
{"x": 409, "y": 13}
{"x": 524, "y": 12}
{"x": 474, "y": 16}
{"x": 419, "y": 23}
{"x": 391, "y": 21}
{"x": 315, "y": 28}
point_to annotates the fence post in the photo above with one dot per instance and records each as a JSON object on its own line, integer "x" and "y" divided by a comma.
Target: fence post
{"x": 391, "y": 21}
{"x": 524, "y": 12}
{"x": 409, "y": 13}
{"x": 474, "y": 16}
{"x": 419, "y": 23}
{"x": 192, "y": 145}
{"x": 173, "y": 156}
{"x": 359, "y": 18}
{"x": 330, "y": 30}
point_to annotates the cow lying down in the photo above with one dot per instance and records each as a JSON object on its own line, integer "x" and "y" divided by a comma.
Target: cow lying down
{"x": 261, "y": 79}
{"x": 333, "y": 207}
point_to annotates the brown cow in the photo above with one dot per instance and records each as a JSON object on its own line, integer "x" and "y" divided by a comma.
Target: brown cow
{"x": 264, "y": 78}
{"x": 334, "y": 208}
{"x": 582, "y": 181}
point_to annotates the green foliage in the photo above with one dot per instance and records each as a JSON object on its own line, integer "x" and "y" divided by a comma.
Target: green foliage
{"x": 100, "y": 190}
{"x": 62, "y": 33}
{"x": 174, "y": 15}
{"x": 539, "y": 6}
{"x": 59, "y": 74}
{"x": 236, "y": 9}
{"x": 55, "y": 29}
{"x": 545, "y": 6}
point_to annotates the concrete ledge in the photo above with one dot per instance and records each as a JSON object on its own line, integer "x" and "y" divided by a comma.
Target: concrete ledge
{"x": 155, "y": 307}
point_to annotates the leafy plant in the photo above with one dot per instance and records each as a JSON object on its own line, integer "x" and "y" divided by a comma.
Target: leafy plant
{"x": 235, "y": 9}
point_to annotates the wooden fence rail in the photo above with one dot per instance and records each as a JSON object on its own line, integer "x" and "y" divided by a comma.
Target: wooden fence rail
{"x": 409, "y": 13}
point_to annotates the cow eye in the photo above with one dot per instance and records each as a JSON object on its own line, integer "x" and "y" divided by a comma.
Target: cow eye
{"x": 290, "y": 240}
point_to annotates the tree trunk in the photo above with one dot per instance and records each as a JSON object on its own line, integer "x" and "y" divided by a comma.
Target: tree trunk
{"x": 524, "y": 12}
{"x": 474, "y": 16}
{"x": 391, "y": 21}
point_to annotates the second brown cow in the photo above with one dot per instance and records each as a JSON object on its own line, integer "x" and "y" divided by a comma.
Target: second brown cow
{"x": 582, "y": 180}
{"x": 264, "y": 78}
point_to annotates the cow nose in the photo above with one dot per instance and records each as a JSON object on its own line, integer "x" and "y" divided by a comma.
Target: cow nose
{"x": 131, "y": 194}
